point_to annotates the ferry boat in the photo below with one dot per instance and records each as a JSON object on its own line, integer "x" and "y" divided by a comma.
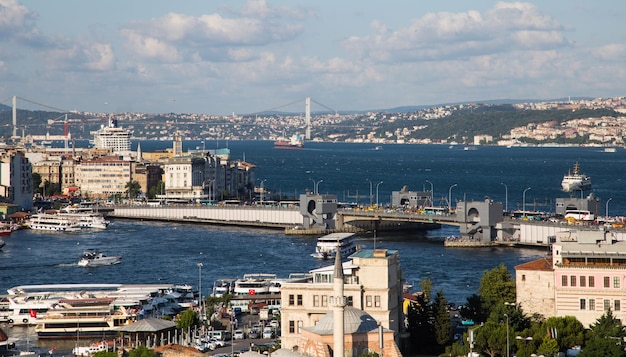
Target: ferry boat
{"x": 92, "y": 258}
{"x": 576, "y": 180}
{"x": 222, "y": 287}
{"x": 85, "y": 217}
{"x": 52, "y": 222}
{"x": 295, "y": 142}
{"x": 27, "y": 304}
{"x": 84, "y": 318}
{"x": 328, "y": 245}
{"x": 253, "y": 284}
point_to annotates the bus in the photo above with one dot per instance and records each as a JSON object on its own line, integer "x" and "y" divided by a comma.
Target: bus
{"x": 579, "y": 215}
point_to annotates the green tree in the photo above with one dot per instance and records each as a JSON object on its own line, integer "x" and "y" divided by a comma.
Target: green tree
{"x": 566, "y": 330}
{"x": 496, "y": 288}
{"x": 419, "y": 325}
{"x": 105, "y": 354}
{"x": 606, "y": 337}
{"x": 133, "y": 189}
{"x": 491, "y": 338}
{"x": 473, "y": 309}
{"x": 188, "y": 319}
{"x": 158, "y": 189}
{"x": 141, "y": 351}
{"x": 549, "y": 347}
{"x": 441, "y": 324}
{"x": 427, "y": 288}
{"x": 36, "y": 182}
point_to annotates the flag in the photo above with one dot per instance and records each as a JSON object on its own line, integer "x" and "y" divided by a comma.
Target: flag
{"x": 252, "y": 292}
{"x": 33, "y": 313}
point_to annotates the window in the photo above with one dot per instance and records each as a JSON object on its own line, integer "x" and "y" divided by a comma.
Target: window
{"x": 583, "y": 281}
{"x": 607, "y": 304}
{"x": 573, "y": 280}
{"x": 368, "y": 301}
{"x": 299, "y": 299}
{"x": 582, "y": 304}
{"x": 607, "y": 282}
{"x": 616, "y": 282}
{"x": 377, "y": 301}
{"x": 617, "y": 305}
{"x": 316, "y": 300}
{"x": 564, "y": 280}
{"x": 592, "y": 282}
{"x": 292, "y": 326}
{"x": 523, "y": 277}
{"x": 592, "y": 304}
{"x": 299, "y": 326}
{"x": 324, "y": 300}
{"x": 349, "y": 301}
{"x": 291, "y": 300}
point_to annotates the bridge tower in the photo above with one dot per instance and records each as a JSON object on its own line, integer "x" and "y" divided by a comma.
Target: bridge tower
{"x": 307, "y": 117}
{"x": 319, "y": 212}
{"x": 14, "y": 103}
{"x": 478, "y": 219}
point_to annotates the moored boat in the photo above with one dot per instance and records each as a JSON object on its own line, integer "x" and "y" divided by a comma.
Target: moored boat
{"x": 84, "y": 217}
{"x": 92, "y": 258}
{"x": 52, "y": 222}
{"x": 253, "y": 284}
{"x": 576, "y": 180}
{"x": 328, "y": 245}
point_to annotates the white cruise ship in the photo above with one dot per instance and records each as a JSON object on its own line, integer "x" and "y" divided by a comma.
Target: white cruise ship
{"x": 52, "y": 222}
{"x": 112, "y": 137}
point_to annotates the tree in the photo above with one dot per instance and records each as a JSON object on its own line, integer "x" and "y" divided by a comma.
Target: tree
{"x": 188, "y": 319}
{"x": 491, "y": 338}
{"x": 133, "y": 189}
{"x": 473, "y": 309}
{"x": 105, "y": 354}
{"x": 549, "y": 347}
{"x": 141, "y": 351}
{"x": 606, "y": 337}
{"x": 36, "y": 182}
{"x": 419, "y": 324}
{"x": 496, "y": 288}
{"x": 427, "y": 287}
{"x": 442, "y": 319}
{"x": 566, "y": 330}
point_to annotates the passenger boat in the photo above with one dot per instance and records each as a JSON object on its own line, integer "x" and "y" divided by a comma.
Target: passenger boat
{"x": 253, "y": 284}
{"x": 576, "y": 180}
{"x": 83, "y": 318}
{"x": 52, "y": 222}
{"x": 222, "y": 286}
{"x": 328, "y": 245}
{"x": 27, "y": 304}
{"x": 295, "y": 142}
{"x": 92, "y": 258}
{"x": 85, "y": 217}
{"x": 6, "y": 229}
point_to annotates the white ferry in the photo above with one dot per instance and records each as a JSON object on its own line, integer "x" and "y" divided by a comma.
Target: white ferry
{"x": 28, "y": 303}
{"x": 222, "y": 287}
{"x": 52, "y": 222}
{"x": 84, "y": 318}
{"x": 328, "y": 245}
{"x": 84, "y": 217}
{"x": 253, "y": 284}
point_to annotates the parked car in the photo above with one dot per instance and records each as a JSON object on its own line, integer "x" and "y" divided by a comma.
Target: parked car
{"x": 268, "y": 333}
{"x": 238, "y": 335}
{"x": 253, "y": 334}
{"x": 274, "y": 323}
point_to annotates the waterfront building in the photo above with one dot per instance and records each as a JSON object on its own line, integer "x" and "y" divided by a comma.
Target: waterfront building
{"x": 585, "y": 277}
{"x": 370, "y": 295}
{"x": 103, "y": 177}
{"x": 16, "y": 178}
{"x": 112, "y": 137}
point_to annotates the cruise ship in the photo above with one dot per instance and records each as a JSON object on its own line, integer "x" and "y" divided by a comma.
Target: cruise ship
{"x": 576, "y": 180}
{"x": 112, "y": 137}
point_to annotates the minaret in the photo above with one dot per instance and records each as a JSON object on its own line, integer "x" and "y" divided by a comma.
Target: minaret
{"x": 139, "y": 158}
{"x": 338, "y": 307}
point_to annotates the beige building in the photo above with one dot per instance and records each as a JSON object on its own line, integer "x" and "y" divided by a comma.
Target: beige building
{"x": 372, "y": 284}
{"x": 103, "y": 177}
{"x": 584, "y": 278}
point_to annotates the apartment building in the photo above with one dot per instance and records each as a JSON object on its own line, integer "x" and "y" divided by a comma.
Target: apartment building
{"x": 372, "y": 284}
{"x": 585, "y": 277}
{"x": 103, "y": 177}
{"x": 16, "y": 179}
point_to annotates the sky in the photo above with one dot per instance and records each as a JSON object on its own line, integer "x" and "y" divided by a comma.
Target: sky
{"x": 224, "y": 57}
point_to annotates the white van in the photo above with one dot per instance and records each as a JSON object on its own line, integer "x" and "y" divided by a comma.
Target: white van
{"x": 221, "y": 335}
{"x": 579, "y": 215}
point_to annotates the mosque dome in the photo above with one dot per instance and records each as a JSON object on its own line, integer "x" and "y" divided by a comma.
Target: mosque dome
{"x": 354, "y": 321}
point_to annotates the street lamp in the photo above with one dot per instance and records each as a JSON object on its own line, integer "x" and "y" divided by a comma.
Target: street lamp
{"x": 262, "y": 189}
{"x": 506, "y": 197}
{"x": 316, "y": 185}
{"x": 450, "y": 197}
{"x": 524, "y": 202}
{"x": 508, "y": 347}
{"x": 200, "y": 265}
{"x": 378, "y": 184}
{"x": 432, "y": 193}
{"x": 606, "y": 209}
{"x": 370, "y": 181}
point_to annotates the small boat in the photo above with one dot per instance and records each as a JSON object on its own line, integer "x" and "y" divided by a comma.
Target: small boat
{"x": 6, "y": 229}
{"x": 378, "y": 148}
{"x": 328, "y": 245}
{"x": 92, "y": 258}
{"x": 576, "y": 180}
{"x": 610, "y": 149}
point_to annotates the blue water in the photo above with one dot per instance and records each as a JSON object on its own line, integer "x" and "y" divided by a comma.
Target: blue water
{"x": 169, "y": 252}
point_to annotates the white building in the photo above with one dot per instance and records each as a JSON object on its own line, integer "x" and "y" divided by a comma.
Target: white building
{"x": 16, "y": 179}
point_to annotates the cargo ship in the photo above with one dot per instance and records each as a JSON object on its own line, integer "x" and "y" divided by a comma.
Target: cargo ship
{"x": 295, "y": 142}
